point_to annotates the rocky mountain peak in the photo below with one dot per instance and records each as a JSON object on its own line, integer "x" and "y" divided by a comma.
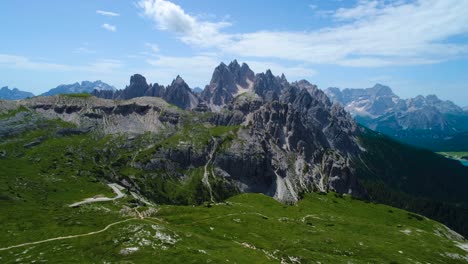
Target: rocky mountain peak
{"x": 242, "y": 74}
{"x": 179, "y": 81}
{"x": 267, "y": 86}
{"x": 138, "y": 80}
{"x": 314, "y": 91}
{"x": 180, "y": 94}
{"x": 137, "y": 88}
{"x": 283, "y": 78}
{"x": 432, "y": 98}
{"x": 245, "y": 68}
{"x": 234, "y": 66}
{"x": 226, "y": 82}
{"x": 382, "y": 90}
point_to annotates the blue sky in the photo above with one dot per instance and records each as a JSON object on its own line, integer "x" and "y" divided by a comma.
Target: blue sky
{"x": 416, "y": 47}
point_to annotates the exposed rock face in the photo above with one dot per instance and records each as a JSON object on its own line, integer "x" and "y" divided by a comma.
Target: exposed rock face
{"x": 227, "y": 82}
{"x": 267, "y": 86}
{"x": 13, "y": 94}
{"x": 242, "y": 74}
{"x": 83, "y": 87}
{"x": 137, "y": 88}
{"x": 180, "y": 94}
{"x": 298, "y": 144}
{"x": 135, "y": 116}
{"x": 105, "y": 94}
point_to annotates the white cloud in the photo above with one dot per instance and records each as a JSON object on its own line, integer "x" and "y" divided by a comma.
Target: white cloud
{"x": 154, "y": 47}
{"x": 20, "y": 62}
{"x": 104, "y": 66}
{"x": 109, "y": 27}
{"x": 196, "y": 70}
{"x": 362, "y": 10}
{"x": 84, "y": 50}
{"x": 107, "y": 13}
{"x": 370, "y": 34}
{"x": 24, "y": 63}
{"x": 171, "y": 17}
{"x": 291, "y": 72}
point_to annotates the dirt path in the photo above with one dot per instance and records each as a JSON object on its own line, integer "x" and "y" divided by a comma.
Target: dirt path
{"x": 115, "y": 187}
{"x": 67, "y": 237}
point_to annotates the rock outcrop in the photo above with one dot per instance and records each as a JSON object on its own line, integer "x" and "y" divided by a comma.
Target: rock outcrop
{"x": 135, "y": 116}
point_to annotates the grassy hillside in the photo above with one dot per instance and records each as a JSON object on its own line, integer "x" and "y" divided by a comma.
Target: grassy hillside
{"x": 248, "y": 228}
{"x": 43, "y": 172}
{"x": 415, "y": 179}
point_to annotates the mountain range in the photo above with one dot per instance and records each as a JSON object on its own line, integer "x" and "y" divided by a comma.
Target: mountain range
{"x": 13, "y": 94}
{"x": 154, "y": 172}
{"x": 244, "y": 133}
{"x": 83, "y": 87}
{"x": 424, "y": 121}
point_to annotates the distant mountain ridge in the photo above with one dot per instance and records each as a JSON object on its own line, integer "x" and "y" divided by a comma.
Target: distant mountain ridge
{"x": 380, "y": 100}
{"x": 13, "y": 94}
{"x": 83, "y": 87}
{"x": 197, "y": 90}
{"x": 420, "y": 121}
